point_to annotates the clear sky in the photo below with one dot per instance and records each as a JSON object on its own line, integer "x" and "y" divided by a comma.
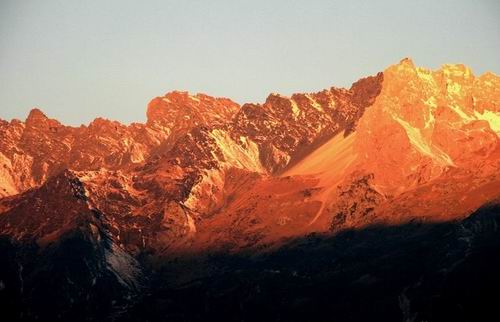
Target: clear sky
{"x": 77, "y": 60}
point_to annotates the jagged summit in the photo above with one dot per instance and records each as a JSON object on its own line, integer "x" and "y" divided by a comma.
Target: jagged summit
{"x": 205, "y": 177}
{"x": 187, "y": 108}
{"x": 406, "y": 115}
{"x": 36, "y": 116}
{"x": 427, "y": 110}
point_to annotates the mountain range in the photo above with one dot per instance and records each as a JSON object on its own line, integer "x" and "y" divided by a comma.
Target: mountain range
{"x": 379, "y": 202}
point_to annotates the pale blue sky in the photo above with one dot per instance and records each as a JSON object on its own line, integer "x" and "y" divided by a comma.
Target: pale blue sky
{"x": 77, "y": 60}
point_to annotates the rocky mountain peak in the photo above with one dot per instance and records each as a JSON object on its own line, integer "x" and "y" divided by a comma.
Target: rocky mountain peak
{"x": 184, "y": 107}
{"x": 36, "y": 117}
{"x": 429, "y": 117}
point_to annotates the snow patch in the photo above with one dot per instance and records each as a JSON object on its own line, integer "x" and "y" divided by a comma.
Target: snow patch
{"x": 457, "y": 109}
{"x": 493, "y": 119}
{"x": 454, "y": 88}
{"x": 194, "y": 98}
{"x": 425, "y": 75}
{"x": 295, "y": 109}
{"x": 207, "y": 188}
{"x": 432, "y": 104}
{"x": 244, "y": 156}
{"x": 456, "y": 70}
{"x": 314, "y": 103}
{"x": 418, "y": 141}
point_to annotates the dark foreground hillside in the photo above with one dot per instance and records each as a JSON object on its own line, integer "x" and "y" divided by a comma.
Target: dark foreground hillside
{"x": 413, "y": 272}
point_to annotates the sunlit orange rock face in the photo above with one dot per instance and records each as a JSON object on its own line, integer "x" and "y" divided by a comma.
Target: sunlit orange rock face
{"x": 34, "y": 150}
{"x": 427, "y": 122}
{"x": 203, "y": 173}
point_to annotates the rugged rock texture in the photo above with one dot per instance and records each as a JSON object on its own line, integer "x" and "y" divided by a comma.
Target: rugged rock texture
{"x": 205, "y": 187}
{"x": 60, "y": 253}
{"x": 287, "y": 128}
{"x": 34, "y": 150}
{"x": 434, "y": 120}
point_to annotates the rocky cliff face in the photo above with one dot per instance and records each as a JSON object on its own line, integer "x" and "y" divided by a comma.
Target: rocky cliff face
{"x": 434, "y": 120}
{"x": 34, "y": 150}
{"x": 206, "y": 176}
